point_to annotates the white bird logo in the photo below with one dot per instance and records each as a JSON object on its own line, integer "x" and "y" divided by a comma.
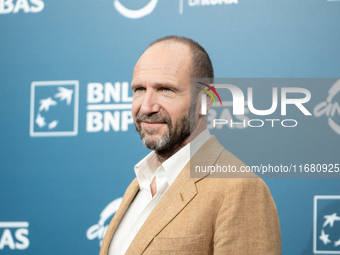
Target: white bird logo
{"x": 330, "y": 219}
{"x": 53, "y": 124}
{"x": 40, "y": 121}
{"x": 46, "y": 103}
{"x": 64, "y": 94}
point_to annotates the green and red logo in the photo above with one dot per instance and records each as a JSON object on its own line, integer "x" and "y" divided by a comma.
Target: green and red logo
{"x": 212, "y": 89}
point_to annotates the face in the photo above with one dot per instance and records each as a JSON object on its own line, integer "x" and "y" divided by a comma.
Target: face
{"x": 161, "y": 96}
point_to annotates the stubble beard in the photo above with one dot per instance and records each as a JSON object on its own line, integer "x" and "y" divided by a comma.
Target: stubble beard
{"x": 172, "y": 140}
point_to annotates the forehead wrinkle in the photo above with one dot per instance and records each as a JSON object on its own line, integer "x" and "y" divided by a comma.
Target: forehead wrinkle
{"x": 161, "y": 81}
{"x": 161, "y": 76}
{"x": 146, "y": 69}
{"x": 155, "y": 64}
{"x": 163, "y": 64}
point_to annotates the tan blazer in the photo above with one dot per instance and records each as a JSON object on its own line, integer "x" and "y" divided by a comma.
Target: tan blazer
{"x": 206, "y": 215}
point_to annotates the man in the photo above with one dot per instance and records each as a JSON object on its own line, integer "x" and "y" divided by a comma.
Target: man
{"x": 164, "y": 211}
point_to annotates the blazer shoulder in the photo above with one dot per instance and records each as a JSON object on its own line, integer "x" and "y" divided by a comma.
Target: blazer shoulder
{"x": 228, "y": 165}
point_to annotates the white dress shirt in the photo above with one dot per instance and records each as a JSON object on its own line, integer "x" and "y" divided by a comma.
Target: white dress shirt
{"x": 144, "y": 203}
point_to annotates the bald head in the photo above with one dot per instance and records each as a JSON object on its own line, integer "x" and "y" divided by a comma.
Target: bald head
{"x": 201, "y": 66}
{"x": 168, "y": 60}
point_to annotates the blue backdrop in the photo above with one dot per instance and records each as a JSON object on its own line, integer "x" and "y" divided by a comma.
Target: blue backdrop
{"x": 68, "y": 145}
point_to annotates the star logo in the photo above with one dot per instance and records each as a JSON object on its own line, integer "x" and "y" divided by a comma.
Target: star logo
{"x": 324, "y": 237}
{"x": 326, "y": 225}
{"x": 46, "y": 103}
{"x": 65, "y": 94}
{"x": 337, "y": 243}
{"x": 40, "y": 121}
{"x": 54, "y": 108}
{"x": 53, "y": 124}
{"x": 330, "y": 219}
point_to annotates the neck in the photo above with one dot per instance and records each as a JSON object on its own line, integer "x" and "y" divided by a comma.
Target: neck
{"x": 163, "y": 155}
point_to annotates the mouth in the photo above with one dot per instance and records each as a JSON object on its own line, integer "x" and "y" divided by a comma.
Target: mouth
{"x": 153, "y": 124}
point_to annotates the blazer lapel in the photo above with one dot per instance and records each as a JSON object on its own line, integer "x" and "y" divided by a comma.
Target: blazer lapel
{"x": 127, "y": 199}
{"x": 173, "y": 201}
{"x": 179, "y": 194}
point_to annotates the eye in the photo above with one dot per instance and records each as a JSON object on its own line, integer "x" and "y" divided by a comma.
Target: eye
{"x": 140, "y": 89}
{"x": 166, "y": 89}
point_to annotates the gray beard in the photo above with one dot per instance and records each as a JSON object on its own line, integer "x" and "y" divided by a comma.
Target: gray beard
{"x": 158, "y": 145}
{"x": 170, "y": 140}
{"x": 174, "y": 137}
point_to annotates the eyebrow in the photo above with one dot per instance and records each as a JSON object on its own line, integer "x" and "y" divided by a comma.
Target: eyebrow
{"x": 133, "y": 86}
{"x": 166, "y": 85}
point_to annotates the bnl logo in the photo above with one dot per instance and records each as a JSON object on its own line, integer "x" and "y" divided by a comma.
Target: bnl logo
{"x": 54, "y": 108}
{"x": 14, "y": 235}
{"x": 326, "y": 238}
{"x": 109, "y": 107}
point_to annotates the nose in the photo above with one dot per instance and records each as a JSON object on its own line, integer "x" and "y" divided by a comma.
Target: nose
{"x": 150, "y": 103}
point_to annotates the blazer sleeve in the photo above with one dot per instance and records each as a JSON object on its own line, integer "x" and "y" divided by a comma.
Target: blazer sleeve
{"x": 247, "y": 221}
